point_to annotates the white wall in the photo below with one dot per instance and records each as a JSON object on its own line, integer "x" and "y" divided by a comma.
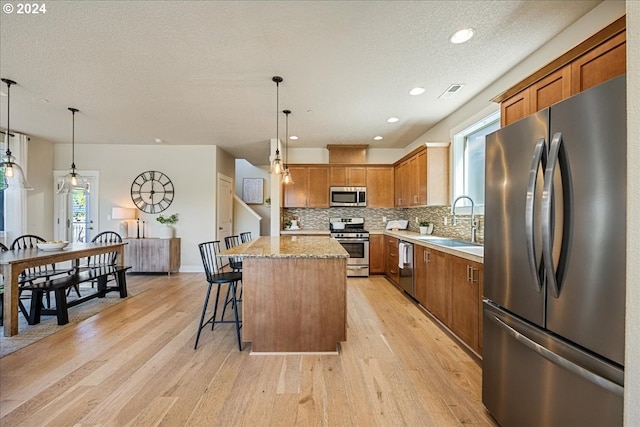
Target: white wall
{"x": 191, "y": 169}
{"x": 632, "y": 356}
{"x": 40, "y": 199}
{"x": 245, "y": 169}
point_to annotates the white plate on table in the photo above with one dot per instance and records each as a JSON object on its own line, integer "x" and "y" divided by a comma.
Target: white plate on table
{"x": 50, "y": 246}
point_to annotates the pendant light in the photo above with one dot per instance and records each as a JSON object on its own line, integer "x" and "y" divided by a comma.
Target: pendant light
{"x": 276, "y": 165}
{"x": 73, "y": 181}
{"x": 286, "y": 176}
{"x": 12, "y": 174}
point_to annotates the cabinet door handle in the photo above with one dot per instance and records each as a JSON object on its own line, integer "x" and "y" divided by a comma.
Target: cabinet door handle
{"x": 473, "y": 276}
{"x": 469, "y": 273}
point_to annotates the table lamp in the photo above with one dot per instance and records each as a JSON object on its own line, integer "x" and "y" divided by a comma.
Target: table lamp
{"x": 124, "y": 214}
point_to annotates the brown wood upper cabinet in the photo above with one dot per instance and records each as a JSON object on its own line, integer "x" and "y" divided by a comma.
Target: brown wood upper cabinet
{"x": 596, "y": 60}
{"x": 310, "y": 188}
{"x": 379, "y": 185}
{"x": 422, "y": 178}
{"x": 311, "y": 184}
{"x": 348, "y": 176}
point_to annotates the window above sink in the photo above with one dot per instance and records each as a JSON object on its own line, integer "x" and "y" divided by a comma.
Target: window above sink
{"x": 468, "y": 160}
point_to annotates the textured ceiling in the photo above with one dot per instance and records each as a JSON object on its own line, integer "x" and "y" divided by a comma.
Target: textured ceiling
{"x": 199, "y": 72}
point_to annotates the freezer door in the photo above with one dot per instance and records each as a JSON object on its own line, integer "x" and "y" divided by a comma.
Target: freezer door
{"x": 589, "y": 220}
{"x": 530, "y": 378}
{"x": 515, "y": 156}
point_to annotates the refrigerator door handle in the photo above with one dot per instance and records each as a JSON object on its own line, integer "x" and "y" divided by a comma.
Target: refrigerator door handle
{"x": 539, "y": 156}
{"x": 547, "y": 212}
{"x": 559, "y": 360}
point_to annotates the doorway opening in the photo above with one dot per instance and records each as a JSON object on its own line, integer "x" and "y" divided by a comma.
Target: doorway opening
{"x": 76, "y": 218}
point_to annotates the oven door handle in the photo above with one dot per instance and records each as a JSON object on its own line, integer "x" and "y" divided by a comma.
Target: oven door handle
{"x": 349, "y": 239}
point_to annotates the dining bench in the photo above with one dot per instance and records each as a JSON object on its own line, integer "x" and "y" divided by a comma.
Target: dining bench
{"x": 59, "y": 286}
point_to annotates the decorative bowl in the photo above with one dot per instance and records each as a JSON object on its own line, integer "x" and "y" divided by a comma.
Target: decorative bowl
{"x": 52, "y": 246}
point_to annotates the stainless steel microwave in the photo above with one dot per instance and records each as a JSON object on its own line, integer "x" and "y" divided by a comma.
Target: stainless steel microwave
{"x": 348, "y": 196}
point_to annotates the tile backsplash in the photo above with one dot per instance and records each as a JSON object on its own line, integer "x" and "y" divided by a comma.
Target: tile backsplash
{"x": 319, "y": 219}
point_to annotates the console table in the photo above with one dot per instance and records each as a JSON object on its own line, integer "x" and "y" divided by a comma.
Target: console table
{"x": 152, "y": 255}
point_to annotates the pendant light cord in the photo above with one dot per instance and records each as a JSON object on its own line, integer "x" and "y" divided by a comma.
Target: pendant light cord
{"x": 278, "y": 80}
{"x": 286, "y": 141}
{"x": 73, "y": 138}
{"x": 9, "y": 83}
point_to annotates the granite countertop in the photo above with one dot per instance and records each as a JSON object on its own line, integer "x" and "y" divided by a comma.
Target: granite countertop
{"x": 289, "y": 247}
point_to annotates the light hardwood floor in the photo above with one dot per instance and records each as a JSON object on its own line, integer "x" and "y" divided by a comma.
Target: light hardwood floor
{"x": 134, "y": 364}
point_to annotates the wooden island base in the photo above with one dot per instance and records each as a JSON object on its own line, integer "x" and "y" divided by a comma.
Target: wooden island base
{"x": 294, "y": 304}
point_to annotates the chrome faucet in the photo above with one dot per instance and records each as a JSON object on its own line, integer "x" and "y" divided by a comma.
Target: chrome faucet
{"x": 474, "y": 224}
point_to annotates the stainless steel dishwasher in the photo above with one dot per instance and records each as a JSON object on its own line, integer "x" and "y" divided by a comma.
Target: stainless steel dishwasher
{"x": 405, "y": 264}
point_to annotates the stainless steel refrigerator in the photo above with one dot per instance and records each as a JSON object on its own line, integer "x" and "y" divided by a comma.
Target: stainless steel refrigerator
{"x": 554, "y": 264}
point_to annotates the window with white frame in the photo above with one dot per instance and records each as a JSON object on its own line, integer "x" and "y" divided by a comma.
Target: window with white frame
{"x": 469, "y": 159}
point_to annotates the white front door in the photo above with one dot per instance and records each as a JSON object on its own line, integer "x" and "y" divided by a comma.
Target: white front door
{"x": 76, "y": 213}
{"x": 224, "y": 226}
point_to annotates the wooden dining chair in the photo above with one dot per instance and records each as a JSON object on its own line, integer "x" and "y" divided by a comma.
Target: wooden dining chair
{"x": 30, "y": 241}
{"x": 108, "y": 259}
{"x": 216, "y": 277}
{"x": 36, "y": 273}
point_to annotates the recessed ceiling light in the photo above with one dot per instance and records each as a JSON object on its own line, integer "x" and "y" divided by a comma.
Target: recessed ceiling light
{"x": 44, "y": 100}
{"x": 463, "y": 35}
{"x": 293, "y": 137}
{"x": 158, "y": 140}
{"x": 393, "y": 119}
{"x": 377, "y": 138}
{"x": 416, "y": 91}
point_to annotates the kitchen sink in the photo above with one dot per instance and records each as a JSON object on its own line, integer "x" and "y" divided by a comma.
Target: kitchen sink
{"x": 474, "y": 250}
{"x": 462, "y": 245}
{"x": 447, "y": 241}
{"x": 430, "y": 237}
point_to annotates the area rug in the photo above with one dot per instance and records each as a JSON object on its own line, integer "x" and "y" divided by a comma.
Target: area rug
{"x": 29, "y": 334}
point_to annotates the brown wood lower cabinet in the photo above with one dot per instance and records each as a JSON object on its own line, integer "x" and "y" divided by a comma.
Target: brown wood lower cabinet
{"x": 152, "y": 255}
{"x": 450, "y": 288}
{"x": 376, "y": 254}
{"x": 391, "y": 257}
{"x": 466, "y": 301}
{"x": 438, "y": 291}
{"x": 294, "y": 304}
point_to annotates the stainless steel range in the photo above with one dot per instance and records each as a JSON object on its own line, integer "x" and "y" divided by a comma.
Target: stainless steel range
{"x": 354, "y": 239}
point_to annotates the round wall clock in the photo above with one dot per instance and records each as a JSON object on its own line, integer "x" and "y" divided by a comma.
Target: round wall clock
{"x": 152, "y": 192}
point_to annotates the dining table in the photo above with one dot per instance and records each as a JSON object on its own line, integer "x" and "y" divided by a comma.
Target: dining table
{"x": 14, "y": 262}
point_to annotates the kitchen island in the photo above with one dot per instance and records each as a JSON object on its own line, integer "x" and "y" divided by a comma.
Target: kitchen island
{"x": 294, "y": 293}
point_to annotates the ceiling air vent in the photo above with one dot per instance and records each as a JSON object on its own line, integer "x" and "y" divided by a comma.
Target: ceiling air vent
{"x": 451, "y": 90}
